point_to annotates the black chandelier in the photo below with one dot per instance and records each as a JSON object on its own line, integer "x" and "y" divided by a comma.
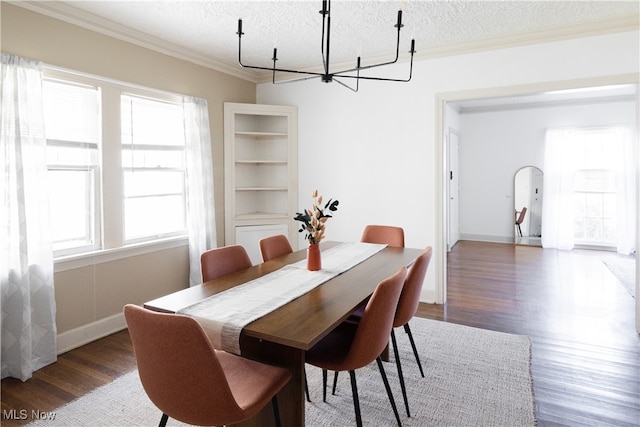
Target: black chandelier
{"x": 329, "y": 76}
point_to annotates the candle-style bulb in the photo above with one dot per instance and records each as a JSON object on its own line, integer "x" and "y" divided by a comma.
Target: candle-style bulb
{"x": 399, "y": 24}
{"x": 324, "y": 7}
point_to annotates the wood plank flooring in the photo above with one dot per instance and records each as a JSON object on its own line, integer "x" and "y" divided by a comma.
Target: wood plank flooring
{"x": 585, "y": 351}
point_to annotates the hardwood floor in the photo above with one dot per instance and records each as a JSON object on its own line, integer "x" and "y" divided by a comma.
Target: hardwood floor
{"x": 585, "y": 351}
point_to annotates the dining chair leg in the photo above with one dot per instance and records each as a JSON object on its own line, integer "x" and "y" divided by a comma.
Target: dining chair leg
{"x": 389, "y": 392}
{"x": 407, "y": 329}
{"x": 356, "y": 401}
{"x": 324, "y": 385}
{"x": 276, "y": 411}
{"x": 396, "y": 354}
{"x": 335, "y": 382}
{"x": 163, "y": 420}
{"x": 306, "y": 386}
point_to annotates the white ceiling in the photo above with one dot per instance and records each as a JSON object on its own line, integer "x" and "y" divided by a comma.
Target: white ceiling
{"x": 205, "y": 31}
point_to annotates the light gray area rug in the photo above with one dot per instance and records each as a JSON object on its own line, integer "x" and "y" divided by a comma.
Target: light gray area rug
{"x": 474, "y": 377}
{"x": 624, "y": 268}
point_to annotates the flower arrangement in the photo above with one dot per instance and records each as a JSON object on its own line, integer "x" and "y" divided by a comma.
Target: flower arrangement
{"x": 313, "y": 220}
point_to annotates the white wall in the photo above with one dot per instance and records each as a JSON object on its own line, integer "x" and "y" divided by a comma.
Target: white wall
{"x": 494, "y": 145}
{"x": 379, "y": 151}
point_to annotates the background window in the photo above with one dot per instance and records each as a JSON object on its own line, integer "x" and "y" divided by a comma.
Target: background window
{"x": 72, "y": 125}
{"x": 595, "y": 188}
{"x": 153, "y": 163}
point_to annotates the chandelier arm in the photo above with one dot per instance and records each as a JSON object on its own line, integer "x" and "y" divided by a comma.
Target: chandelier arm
{"x": 367, "y": 67}
{"x": 273, "y": 69}
{"x": 326, "y": 76}
{"x": 299, "y": 79}
{"x": 383, "y": 79}
{"x": 347, "y": 86}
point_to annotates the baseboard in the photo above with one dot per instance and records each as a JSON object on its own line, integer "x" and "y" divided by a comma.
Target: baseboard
{"x": 428, "y": 296}
{"x": 85, "y": 334}
{"x": 484, "y": 238}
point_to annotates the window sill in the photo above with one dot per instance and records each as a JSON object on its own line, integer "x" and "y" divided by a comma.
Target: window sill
{"x": 106, "y": 255}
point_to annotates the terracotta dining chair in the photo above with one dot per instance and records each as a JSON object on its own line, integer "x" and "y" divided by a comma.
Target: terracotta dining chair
{"x": 221, "y": 261}
{"x": 386, "y": 234}
{"x": 407, "y": 308}
{"x": 351, "y": 346}
{"x": 189, "y": 380}
{"x": 274, "y": 246}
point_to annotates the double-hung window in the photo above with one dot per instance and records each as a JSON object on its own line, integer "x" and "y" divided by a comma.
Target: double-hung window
{"x": 595, "y": 187}
{"x": 72, "y": 124}
{"x": 116, "y": 163}
{"x": 153, "y": 164}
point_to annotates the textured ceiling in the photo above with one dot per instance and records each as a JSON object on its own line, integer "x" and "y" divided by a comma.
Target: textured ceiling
{"x": 205, "y": 31}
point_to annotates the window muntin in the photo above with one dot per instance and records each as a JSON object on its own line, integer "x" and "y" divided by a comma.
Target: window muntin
{"x": 595, "y": 188}
{"x": 88, "y": 164}
{"x": 72, "y": 129}
{"x": 154, "y": 168}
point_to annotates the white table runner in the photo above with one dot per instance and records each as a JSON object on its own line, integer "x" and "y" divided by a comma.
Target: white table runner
{"x": 223, "y": 315}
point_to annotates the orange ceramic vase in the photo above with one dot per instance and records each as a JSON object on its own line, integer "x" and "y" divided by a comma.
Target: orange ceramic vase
{"x": 314, "y": 261}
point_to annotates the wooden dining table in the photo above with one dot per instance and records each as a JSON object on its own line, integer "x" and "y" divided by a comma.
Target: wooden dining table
{"x": 282, "y": 336}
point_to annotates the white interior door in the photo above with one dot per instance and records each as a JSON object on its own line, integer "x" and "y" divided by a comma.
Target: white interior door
{"x": 453, "y": 233}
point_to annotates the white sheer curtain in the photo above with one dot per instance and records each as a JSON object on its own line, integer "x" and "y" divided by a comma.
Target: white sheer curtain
{"x": 558, "y": 204}
{"x": 200, "y": 203}
{"x": 626, "y": 199}
{"x": 558, "y": 216}
{"x": 26, "y": 256}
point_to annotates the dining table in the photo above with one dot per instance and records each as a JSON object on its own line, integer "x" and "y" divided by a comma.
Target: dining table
{"x": 282, "y": 336}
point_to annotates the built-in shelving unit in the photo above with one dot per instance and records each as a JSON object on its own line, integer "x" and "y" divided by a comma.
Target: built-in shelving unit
{"x": 261, "y": 171}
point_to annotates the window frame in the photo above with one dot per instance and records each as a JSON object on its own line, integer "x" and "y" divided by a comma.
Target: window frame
{"x": 585, "y": 241}
{"x": 154, "y": 147}
{"x": 110, "y": 197}
{"x": 94, "y": 233}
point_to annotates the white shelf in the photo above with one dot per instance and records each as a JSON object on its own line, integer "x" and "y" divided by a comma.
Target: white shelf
{"x": 262, "y": 162}
{"x": 261, "y": 169}
{"x": 262, "y": 189}
{"x": 261, "y": 134}
{"x": 262, "y": 216}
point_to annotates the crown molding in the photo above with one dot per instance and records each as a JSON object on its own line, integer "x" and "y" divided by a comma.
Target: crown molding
{"x": 510, "y": 41}
{"x": 109, "y": 28}
{"x": 95, "y": 23}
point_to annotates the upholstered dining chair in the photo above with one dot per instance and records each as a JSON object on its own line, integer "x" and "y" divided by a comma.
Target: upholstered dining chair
{"x": 274, "y": 246}
{"x": 520, "y": 219}
{"x": 221, "y": 261}
{"x": 351, "y": 346}
{"x": 189, "y": 380}
{"x": 390, "y": 235}
{"x": 407, "y": 308}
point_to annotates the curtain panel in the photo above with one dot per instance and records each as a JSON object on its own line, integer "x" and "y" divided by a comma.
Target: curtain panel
{"x": 560, "y": 163}
{"x": 26, "y": 255}
{"x": 201, "y": 220}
